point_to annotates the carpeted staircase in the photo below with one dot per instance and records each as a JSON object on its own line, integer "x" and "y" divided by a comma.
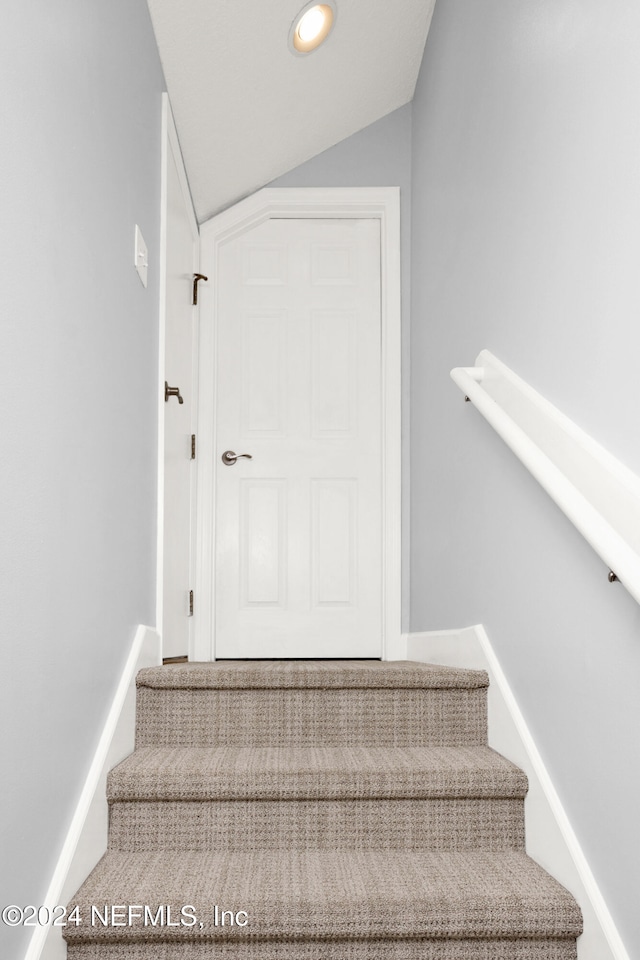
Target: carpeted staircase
{"x": 334, "y": 810}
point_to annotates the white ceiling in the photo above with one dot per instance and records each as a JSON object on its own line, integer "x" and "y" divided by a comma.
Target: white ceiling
{"x": 247, "y": 110}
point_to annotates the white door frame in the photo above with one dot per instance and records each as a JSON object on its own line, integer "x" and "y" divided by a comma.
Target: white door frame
{"x": 171, "y": 143}
{"x": 382, "y": 203}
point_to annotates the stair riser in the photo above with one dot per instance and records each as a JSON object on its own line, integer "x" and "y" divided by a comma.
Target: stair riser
{"x": 431, "y": 824}
{"x": 334, "y": 950}
{"x": 293, "y": 717}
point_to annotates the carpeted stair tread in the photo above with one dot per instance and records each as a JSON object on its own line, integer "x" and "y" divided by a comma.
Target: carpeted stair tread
{"x": 294, "y": 895}
{"x": 379, "y": 949}
{"x": 310, "y": 674}
{"x": 263, "y": 773}
{"x": 353, "y": 809}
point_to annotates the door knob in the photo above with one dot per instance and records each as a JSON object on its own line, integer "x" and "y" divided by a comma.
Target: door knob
{"x": 229, "y": 457}
{"x": 171, "y": 392}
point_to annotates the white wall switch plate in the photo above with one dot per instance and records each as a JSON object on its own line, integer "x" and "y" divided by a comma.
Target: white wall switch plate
{"x": 141, "y": 259}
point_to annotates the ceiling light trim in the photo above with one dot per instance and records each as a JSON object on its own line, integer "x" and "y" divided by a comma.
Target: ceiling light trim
{"x": 302, "y": 48}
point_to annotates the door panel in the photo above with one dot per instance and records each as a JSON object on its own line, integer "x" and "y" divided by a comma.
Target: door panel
{"x": 333, "y": 373}
{"x": 334, "y": 514}
{"x": 262, "y": 548}
{"x": 298, "y": 387}
{"x": 263, "y": 374}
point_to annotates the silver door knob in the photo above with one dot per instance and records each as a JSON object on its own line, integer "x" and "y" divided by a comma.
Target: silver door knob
{"x": 229, "y": 457}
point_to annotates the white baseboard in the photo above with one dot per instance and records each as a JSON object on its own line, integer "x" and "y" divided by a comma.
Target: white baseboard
{"x": 551, "y": 840}
{"x": 86, "y": 840}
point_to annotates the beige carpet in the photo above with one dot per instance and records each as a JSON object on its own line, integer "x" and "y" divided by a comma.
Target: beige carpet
{"x": 335, "y": 810}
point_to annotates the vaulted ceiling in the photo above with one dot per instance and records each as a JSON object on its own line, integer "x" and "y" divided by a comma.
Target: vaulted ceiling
{"x": 248, "y": 110}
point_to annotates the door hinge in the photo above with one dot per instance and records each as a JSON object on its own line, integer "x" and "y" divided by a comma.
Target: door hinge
{"x": 193, "y": 446}
{"x": 190, "y": 603}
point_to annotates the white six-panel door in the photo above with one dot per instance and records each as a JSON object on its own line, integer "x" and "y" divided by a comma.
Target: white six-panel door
{"x": 298, "y": 531}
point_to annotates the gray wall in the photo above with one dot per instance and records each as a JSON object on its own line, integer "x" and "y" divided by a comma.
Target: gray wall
{"x": 81, "y": 114}
{"x": 526, "y": 241}
{"x": 377, "y": 156}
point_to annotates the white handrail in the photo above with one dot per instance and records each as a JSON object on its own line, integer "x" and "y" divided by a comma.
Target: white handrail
{"x": 595, "y": 491}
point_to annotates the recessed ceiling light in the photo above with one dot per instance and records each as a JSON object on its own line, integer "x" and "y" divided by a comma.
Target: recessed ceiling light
{"x": 312, "y": 26}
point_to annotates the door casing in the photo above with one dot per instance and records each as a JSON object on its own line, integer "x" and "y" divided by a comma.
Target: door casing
{"x": 382, "y": 203}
